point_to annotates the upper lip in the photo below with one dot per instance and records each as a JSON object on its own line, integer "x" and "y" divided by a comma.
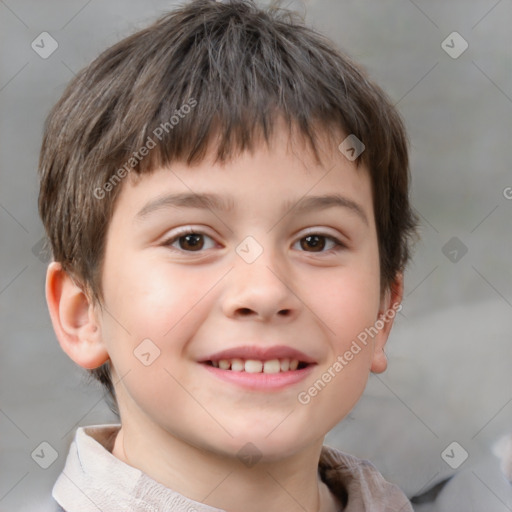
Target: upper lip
{"x": 260, "y": 353}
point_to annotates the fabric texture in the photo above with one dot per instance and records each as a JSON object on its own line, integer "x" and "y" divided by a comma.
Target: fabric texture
{"x": 93, "y": 479}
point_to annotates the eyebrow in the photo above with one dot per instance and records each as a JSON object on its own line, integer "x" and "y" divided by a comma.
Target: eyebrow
{"x": 215, "y": 202}
{"x": 187, "y": 200}
{"x": 311, "y": 203}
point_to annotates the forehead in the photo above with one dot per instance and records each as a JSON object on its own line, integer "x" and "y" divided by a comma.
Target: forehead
{"x": 284, "y": 171}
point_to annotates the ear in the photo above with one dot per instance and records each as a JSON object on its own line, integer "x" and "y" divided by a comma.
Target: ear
{"x": 74, "y": 319}
{"x": 389, "y": 308}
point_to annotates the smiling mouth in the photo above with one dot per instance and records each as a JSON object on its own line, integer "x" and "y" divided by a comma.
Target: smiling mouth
{"x": 258, "y": 366}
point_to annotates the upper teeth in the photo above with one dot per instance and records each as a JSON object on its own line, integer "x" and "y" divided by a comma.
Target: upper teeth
{"x": 255, "y": 366}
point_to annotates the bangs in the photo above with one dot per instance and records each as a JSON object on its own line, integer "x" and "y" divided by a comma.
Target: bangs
{"x": 223, "y": 81}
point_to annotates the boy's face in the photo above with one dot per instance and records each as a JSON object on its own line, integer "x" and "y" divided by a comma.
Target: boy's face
{"x": 173, "y": 300}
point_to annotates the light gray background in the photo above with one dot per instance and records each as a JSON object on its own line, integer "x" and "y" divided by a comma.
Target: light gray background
{"x": 449, "y": 376}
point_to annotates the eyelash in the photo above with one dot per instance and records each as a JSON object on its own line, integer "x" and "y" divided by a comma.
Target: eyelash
{"x": 337, "y": 244}
{"x": 180, "y": 234}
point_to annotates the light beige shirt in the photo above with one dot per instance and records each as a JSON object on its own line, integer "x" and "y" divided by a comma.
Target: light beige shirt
{"x": 94, "y": 480}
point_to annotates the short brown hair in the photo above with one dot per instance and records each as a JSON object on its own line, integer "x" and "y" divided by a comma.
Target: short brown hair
{"x": 239, "y": 67}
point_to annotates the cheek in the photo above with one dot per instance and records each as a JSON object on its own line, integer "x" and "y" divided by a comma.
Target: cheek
{"x": 155, "y": 299}
{"x": 349, "y": 307}
{"x": 153, "y": 314}
{"x": 154, "y": 309}
{"x": 346, "y": 301}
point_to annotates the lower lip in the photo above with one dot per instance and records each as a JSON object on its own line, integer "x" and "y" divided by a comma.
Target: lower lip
{"x": 261, "y": 381}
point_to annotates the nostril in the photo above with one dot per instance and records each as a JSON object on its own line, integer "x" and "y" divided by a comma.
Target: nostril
{"x": 245, "y": 312}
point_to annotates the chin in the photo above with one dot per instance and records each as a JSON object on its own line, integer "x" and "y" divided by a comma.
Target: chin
{"x": 266, "y": 446}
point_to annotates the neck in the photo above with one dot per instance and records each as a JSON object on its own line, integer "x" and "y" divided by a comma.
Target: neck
{"x": 290, "y": 484}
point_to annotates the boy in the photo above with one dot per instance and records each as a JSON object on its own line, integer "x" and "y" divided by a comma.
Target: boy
{"x": 226, "y": 196}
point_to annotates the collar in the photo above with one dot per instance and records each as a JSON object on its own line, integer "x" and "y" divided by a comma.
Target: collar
{"x": 93, "y": 479}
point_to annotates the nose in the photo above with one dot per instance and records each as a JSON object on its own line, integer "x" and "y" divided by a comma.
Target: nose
{"x": 261, "y": 291}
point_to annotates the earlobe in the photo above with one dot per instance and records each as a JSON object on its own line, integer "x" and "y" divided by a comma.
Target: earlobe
{"x": 74, "y": 319}
{"x": 389, "y": 308}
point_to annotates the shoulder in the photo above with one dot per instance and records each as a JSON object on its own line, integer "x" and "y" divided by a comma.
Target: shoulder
{"x": 358, "y": 484}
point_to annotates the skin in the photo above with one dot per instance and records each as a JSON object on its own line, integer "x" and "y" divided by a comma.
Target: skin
{"x": 180, "y": 424}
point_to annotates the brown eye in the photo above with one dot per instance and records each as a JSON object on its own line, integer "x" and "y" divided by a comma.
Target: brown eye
{"x": 317, "y": 242}
{"x": 313, "y": 243}
{"x": 191, "y": 242}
